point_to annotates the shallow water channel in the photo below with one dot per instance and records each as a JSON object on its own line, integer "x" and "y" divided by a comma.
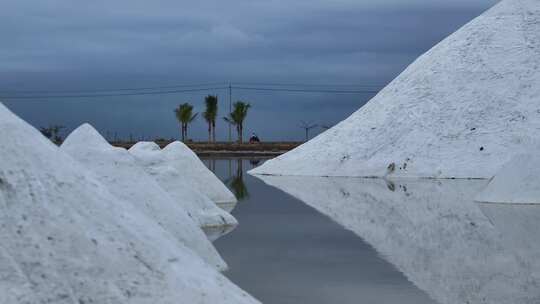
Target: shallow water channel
{"x": 285, "y": 251}
{"x": 349, "y": 240}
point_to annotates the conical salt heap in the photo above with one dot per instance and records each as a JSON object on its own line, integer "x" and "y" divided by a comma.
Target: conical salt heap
{"x": 124, "y": 178}
{"x": 66, "y": 239}
{"x": 205, "y": 212}
{"x": 197, "y": 174}
{"x": 461, "y": 110}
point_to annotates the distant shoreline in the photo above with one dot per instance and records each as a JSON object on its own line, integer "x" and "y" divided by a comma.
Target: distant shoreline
{"x": 225, "y": 149}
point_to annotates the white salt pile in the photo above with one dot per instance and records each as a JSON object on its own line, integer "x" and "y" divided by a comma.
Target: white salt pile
{"x": 205, "y": 212}
{"x": 196, "y": 174}
{"x": 461, "y": 110}
{"x": 65, "y": 238}
{"x": 516, "y": 183}
{"x": 124, "y": 178}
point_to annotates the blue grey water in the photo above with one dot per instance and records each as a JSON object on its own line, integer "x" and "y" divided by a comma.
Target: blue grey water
{"x": 354, "y": 240}
{"x": 284, "y": 251}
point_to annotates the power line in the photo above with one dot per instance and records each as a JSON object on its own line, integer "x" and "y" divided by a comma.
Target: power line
{"x": 310, "y": 84}
{"x": 114, "y": 90}
{"x": 335, "y": 85}
{"x": 96, "y": 93}
{"x": 258, "y": 84}
{"x": 110, "y": 95}
{"x": 307, "y": 90}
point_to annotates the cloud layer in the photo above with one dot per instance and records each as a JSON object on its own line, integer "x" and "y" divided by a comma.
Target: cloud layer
{"x": 77, "y": 45}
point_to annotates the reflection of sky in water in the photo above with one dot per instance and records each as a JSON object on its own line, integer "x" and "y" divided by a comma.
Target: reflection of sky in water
{"x": 284, "y": 251}
{"x": 455, "y": 250}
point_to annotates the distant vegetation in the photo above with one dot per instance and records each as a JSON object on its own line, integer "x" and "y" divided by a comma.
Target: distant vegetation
{"x": 210, "y": 115}
{"x": 52, "y": 132}
{"x": 237, "y": 117}
{"x": 185, "y": 116}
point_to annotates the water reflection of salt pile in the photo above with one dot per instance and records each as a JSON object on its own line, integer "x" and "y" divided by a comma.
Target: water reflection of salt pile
{"x": 519, "y": 225}
{"x": 430, "y": 230}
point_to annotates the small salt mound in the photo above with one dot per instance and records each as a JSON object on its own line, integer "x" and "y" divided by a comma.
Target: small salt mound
{"x": 124, "y": 178}
{"x": 197, "y": 174}
{"x": 516, "y": 183}
{"x": 198, "y": 205}
{"x": 66, "y": 239}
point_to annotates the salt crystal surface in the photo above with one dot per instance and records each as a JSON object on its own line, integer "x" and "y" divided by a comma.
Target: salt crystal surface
{"x": 123, "y": 177}
{"x": 516, "y": 183}
{"x": 66, "y": 239}
{"x": 198, "y": 205}
{"x": 461, "y": 110}
{"x": 197, "y": 174}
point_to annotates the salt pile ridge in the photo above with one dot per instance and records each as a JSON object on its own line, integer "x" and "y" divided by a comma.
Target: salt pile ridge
{"x": 461, "y": 110}
{"x": 66, "y": 239}
{"x": 516, "y": 183}
{"x": 197, "y": 174}
{"x": 199, "y": 206}
{"x": 124, "y": 178}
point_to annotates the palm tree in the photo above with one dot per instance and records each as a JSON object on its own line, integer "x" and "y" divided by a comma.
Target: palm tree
{"x": 210, "y": 115}
{"x": 53, "y": 133}
{"x": 237, "y": 117}
{"x": 184, "y": 115}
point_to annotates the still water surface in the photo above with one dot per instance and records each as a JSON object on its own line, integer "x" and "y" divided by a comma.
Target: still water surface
{"x": 347, "y": 240}
{"x": 285, "y": 251}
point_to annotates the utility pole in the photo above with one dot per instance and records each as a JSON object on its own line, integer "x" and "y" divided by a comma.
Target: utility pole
{"x": 230, "y": 111}
{"x": 307, "y": 127}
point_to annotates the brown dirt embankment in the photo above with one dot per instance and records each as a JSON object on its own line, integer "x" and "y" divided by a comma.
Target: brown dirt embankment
{"x": 229, "y": 149}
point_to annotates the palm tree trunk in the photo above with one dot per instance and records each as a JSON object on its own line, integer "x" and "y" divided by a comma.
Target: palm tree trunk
{"x": 238, "y": 140}
{"x": 182, "y": 131}
{"x": 209, "y": 132}
{"x": 240, "y": 129}
{"x": 214, "y": 131}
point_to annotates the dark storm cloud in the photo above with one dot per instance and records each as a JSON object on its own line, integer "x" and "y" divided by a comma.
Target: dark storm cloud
{"x": 62, "y": 45}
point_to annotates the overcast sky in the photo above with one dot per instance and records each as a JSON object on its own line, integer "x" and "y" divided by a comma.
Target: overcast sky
{"x": 59, "y": 45}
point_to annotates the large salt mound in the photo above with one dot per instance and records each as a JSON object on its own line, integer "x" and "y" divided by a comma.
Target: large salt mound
{"x": 199, "y": 206}
{"x": 65, "y": 239}
{"x": 196, "y": 174}
{"x": 515, "y": 183}
{"x": 124, "y": 178}
{"x": 434, "y": 233}
{"x": 461, "y": 110}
